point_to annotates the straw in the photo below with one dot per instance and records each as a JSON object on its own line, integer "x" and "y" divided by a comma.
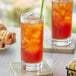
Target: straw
{"x": 41, "y": 11}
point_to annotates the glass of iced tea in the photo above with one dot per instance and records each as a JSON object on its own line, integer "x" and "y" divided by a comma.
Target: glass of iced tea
{"x": 31, "y": 41}
{"x": 61, "y": 22}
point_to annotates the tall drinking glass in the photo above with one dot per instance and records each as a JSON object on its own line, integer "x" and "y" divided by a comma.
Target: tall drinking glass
{"x": 31, "y": 41}
{"x": 61, "y": 22}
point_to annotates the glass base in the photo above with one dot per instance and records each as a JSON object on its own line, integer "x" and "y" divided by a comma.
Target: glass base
{"x": 64, "y": 42}
{"x": 31, "y": 67}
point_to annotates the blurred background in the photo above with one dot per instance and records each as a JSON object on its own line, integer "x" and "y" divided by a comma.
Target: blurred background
{"x": 10, "y": 11}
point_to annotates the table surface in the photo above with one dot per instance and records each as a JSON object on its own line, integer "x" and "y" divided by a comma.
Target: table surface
{"x": 56, "y": 61}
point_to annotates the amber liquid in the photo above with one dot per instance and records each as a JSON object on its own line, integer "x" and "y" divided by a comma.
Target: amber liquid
{"x": 32, "y": 42}
{"x": 61, "y": 19}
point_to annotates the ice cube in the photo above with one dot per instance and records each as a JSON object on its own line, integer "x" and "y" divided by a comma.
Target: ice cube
{"x": 26, "y": 40}
{"x": 36, "y": 34}
{"x": 35, "y": 41}
{"x": 32, "y": 49}
{"x": 33, "y": 16}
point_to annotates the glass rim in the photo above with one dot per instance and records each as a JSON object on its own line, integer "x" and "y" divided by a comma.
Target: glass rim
{"x": 62, "y": 1}
{"x": 25, "y": 15}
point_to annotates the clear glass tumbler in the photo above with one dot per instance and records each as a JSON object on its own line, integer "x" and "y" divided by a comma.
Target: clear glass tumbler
{"x": 61, "y": 22}
{"x": 31, "y": 41}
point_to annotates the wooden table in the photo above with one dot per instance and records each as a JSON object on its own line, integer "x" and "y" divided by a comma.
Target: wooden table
{"x": 56, "y": 61}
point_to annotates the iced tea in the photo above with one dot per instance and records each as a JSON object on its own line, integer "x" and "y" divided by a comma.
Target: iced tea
{"x": 32, "y": 40}
{"x": 61, "y": 19}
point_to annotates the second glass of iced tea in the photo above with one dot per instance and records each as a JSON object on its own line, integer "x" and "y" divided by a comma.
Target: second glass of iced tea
{"x": 31, "y": 41}
{"x": 61, "y": 22}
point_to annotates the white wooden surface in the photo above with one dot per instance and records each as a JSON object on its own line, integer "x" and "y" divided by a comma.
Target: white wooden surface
{"x": 56, "y": 61}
